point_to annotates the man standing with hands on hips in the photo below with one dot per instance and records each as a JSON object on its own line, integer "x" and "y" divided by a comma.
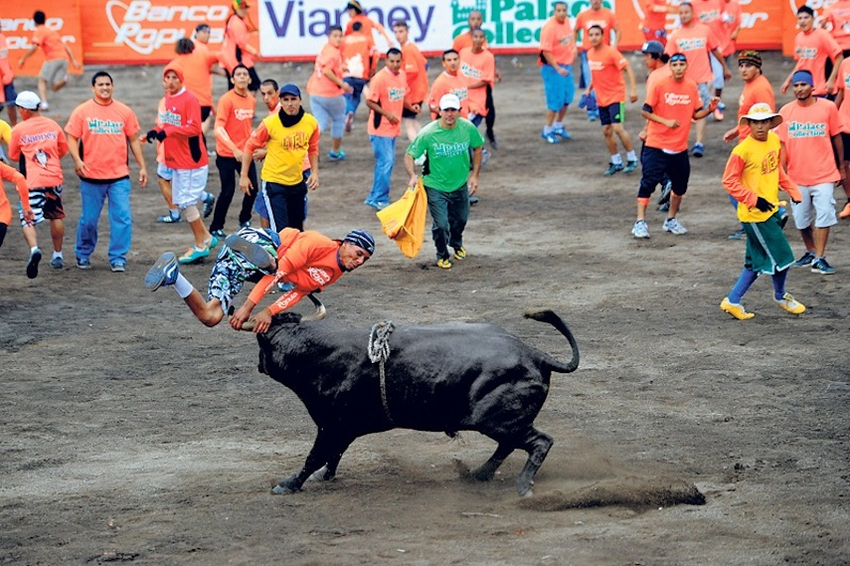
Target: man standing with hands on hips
{"x": 446, "y": 175}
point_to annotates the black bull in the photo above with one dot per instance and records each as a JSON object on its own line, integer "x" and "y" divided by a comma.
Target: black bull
{"x": 441, "y": 377}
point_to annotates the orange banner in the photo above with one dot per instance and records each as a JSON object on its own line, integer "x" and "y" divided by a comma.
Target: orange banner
{"x": 145, "y": 31}
{"x": 16, "y": 23}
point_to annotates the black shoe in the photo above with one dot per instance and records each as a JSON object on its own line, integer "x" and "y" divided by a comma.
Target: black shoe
{"x": 32, "y": 264}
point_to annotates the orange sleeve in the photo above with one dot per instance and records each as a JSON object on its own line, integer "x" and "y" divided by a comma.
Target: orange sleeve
{"x": 732, "y": 181}
{"x": 222, "y": 112}
{"x": 258, "y": 139}
{"x": 259, "y": 291}
{"x": 287, "y": 300}
{"x": 313, "y": 149}
{"x": 11, "y": 174}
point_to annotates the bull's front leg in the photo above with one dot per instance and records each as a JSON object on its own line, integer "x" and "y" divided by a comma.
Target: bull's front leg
{"x": 325, "y": 451}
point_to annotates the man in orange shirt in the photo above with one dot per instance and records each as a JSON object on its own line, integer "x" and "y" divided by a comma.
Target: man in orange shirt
{"x": 39, "y": 144}
{"x": 309, "y": 261}
{"x": 415, "y": 67}
{"x": 836, "y": 19}
{"x": 450, "y": 81}
{"x": 197, "y": 66}
{"x": 54, "y": 70}
{"x": 557, "y": 53}
{"x": 233, "y": 122}
{"x": 654, "y": 21}
{"x": 812, "y": 48}
{"x": 462, "y": 40}
{"x": 235, "y": 48}
{"x": 359, "y": 63}
{"x": 387, "y": 97}
{"x": 201, "y": 40}
{"x": 356, "y": 15}
{"x": 670, "y": 106}
{"x": 7, "y": 81}
{"x": 695, "y": 40}
{"x": 99, "y": 131}
{"x": 595, "y": 15}
{"x": 478, "y": 65}
{"x": 607, "y": 66}
{"x": 811, "y": 134}
{"x": 327, "y": 88}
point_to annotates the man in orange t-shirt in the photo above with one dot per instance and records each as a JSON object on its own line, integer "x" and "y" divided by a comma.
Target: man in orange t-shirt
{"x": 478, "y": 65}
{"x": 557, "y": 53}
{"x": 356, "y": 15}
{"x": 810, "y": 133}
{"x": 234, "y": 117}
{"x": 669, "y": 107}
{"x": 359, "y": 62}
{"x": 236, "y": 48}
{"x": 99, "y": 131}
{"x": 197, "y": 65}
{"x": 607, "y": 66}
{"x": 654, "y": 21}
{"x": 842, "y": 101}
{"x": 327, "y": 88}
{"x": 696, "y": 41}
{"x": 450, "y": 81}
{"x": 39, "y": 144}
{"x": 595, "y": 15}
{"x": 415, "y": 67}
{"x": 387, "y": 98}
{"x": 812, "y": 48}
{"x": 54, "y": 70}
{"x": 836, "y": 19}
{"x": 309, "y": 261}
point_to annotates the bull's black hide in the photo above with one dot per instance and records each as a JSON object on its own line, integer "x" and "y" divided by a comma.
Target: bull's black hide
{"x": 441, "y": 377}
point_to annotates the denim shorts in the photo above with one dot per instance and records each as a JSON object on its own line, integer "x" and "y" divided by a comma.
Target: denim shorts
{"x": 559, "y": 90}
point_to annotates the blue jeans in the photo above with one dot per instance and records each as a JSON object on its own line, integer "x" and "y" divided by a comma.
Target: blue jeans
{"x": 384, "y": 150}
{"x": 449, "y": 213}
{"x": 329, "y": 109}
{"x": 352, "y": 99}
{"x": 120, "y": 219}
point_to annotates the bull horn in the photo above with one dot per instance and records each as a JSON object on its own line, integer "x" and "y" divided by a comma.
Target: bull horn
{"x": 321, "y": 312}
{"x": 248, "y": 325}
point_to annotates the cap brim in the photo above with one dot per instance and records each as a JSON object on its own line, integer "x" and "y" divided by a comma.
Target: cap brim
{"x": 775, "y": 119}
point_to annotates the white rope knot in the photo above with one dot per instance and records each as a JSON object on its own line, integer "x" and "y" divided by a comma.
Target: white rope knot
{"x": 379, "y": 353}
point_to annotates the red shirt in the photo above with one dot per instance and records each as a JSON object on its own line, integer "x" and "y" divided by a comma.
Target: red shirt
{"x": 234, "y": 117}
{"x": 183, "y": 147}
{"x": 672, "y": 100}
{"x": 388, "y": 90}
{"x": 807, "y": 134}
{"x": 43, "y": 144}
{"x": 103, "y": 131}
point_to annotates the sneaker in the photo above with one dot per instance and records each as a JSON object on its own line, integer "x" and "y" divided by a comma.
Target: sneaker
{"x": 665, "y": 192}
{"x": 699, "y": 150}
{"x": 336, "y": 155}
{"x": 444, "y": 263}
{"x": 44, "y": 106}
{"x": 820, "y": 265}
{"x": 117, "y": 267}
{"x": 674, "y": 227}
{"x": 376, "y": 205}
{"x": 254, "y": 253}
{"x": 349, "y": 121}
{"x": 32, "y": 263}
{"x": 631, "y": 167}
{"x": 218, "y": 234}
{"x": 845, "y": 212}
{"x": 163, "y": 272}
{"x": 738, "y": 234}
{"x": 212, "y": 243}
{"x": 168, "y": 219}
{"x": 485, "y": 157}
{"x": 246, "y": 224}
{"x": 473, "y": 200}
{"x": 562, "y": 133}
{"x": 83, "y": 263}
{"x": 613, "y": 168}
{"x": 209, "y": 202}
{"x": 807, "y": 259}
{"x": 735, "y": 310}
{"x": 718, "y": 114}
{"x": 57, "y": 262}
{"x": 494, "y": 143}
{"x": 460, "y": 253}
{"x": 193, "y": 254}
{"x": 550, "y": 137}
{"x": 640, "y": 230}
{"x": 788, "y": 303}
{"x": 721, "y": 105}
{"x": 592, "y": 116}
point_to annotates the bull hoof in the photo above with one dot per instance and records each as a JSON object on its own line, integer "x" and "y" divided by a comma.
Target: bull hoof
{"x": 321, "y": 474}
{"x": 286, "y": 487}
{"x": 524, "y": 488}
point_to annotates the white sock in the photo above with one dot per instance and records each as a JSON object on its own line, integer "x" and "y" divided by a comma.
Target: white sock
{"x": 57, "y": 254}
{"x": 182, "y": 286}
{"x": 174, "y": 212}
{"x": 547, "y": 129}
{"x": 33, "y": 249}
{"x": 616, "y": 159}
{"x": 631, "y": 156}
{"x": 558, "y": 125}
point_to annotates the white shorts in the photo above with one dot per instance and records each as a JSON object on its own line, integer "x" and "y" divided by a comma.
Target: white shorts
{"x": 817, "y": 208}
{"x": 187, "y": 186}
{"x": 164, "y": 172}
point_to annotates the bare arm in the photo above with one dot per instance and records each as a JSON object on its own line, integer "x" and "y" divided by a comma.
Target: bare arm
{"x": 136, "y": 148}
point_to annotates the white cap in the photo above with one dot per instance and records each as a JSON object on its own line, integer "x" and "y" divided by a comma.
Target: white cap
{"x": 28, "y": 99}
{"x": 450, "y": 102}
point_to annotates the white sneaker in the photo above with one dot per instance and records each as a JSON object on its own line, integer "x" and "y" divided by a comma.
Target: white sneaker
{"x": 674, "y": 227}
{"x": 640, "y": 230}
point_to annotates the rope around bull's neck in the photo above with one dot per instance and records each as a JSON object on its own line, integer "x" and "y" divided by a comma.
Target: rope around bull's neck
{"x": 379, "y": 352}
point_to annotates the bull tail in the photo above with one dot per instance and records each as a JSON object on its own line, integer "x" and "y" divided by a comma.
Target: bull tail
{"x": 555, "y": 320}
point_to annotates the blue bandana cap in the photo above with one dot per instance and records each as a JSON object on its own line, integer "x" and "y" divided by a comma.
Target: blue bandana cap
{"x": 803, "y": 77}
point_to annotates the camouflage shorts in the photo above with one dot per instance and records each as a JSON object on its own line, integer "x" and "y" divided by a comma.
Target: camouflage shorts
{"x": 232, "y": 269}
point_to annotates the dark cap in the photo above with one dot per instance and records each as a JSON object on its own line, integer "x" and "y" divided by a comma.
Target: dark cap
{"x": 202, "y": 27}
{"x": 653, "y": 47}
{"x": 290, "y": 89}
{"x": 362, "y": 239}
{"x": 751, "y": 58}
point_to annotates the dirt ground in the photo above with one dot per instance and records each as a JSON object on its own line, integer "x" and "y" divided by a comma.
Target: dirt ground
{"x": 130, "y": 432}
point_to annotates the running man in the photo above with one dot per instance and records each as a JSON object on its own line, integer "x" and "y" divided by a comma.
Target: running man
{"x": 54, "y": 70}
{"x": 415, "y": 67}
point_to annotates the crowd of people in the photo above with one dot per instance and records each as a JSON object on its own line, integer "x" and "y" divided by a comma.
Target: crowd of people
{"x": 275, "y": 160}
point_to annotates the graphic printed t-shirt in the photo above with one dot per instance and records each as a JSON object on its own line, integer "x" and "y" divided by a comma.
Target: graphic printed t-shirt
{"x": 672, "y": 100}
{"x": 234, "y": 114}
{"x": 445, "y": 84}
{"x": 603, "y": 18}
{"x": 388, "y": 91}
{"x": 358, "y": 55}
{"x": 448, "y": 153}
{"x": 558, "y": 39}
{"x": 103, "y": 132}
{"x": 478, "y": 67}
{"x": 606, "y": 68}
{"x": 807, "y": 132}
{"x": 838, "y": 17}
{"x": 288, "y": 147}
{"x": 42, "y": 143}
{"x": 320, "y": 85}
{"x": 183, "y": 146}
{"x": 811, "y": 50}
{"x": 695, "y": 42}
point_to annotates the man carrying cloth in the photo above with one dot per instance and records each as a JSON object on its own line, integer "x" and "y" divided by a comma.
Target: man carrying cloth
{"x": 308, "y": 260}
{"x": 753, "y": 176}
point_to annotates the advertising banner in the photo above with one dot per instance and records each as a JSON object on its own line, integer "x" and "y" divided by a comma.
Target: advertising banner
{"x": 18, "y": 27}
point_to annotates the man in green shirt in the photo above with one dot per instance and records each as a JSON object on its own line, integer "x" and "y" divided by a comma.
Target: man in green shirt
{"x": 446, "y": 143}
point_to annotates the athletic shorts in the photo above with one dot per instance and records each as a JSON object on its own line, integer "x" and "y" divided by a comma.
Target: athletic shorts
{"x": 205, "y": 112}
{"x": 262, "y": 209}
{"x": 657, "y": 166}
{"x": 54, "y": 71}
{"x": 164, "y": 172}
{"x": 10, "y": 93}
{"x": 612, "y": 114}
{"x": 46, "y": 203}
{"x": 187, "y": 186}
{"x": 232, "y": 268}
{"x": 768, "y": 250}
{"x": 817, "y": 207}
{"x": 559, "y": 90}
{"x": 704, "y": 94}
{"x": 405, "y": 113}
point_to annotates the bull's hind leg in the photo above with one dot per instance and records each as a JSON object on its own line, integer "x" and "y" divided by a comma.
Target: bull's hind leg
{"x": 537, "y": 444}
{"x": 327, "y": 450}
{"x": 488, "y": 468}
